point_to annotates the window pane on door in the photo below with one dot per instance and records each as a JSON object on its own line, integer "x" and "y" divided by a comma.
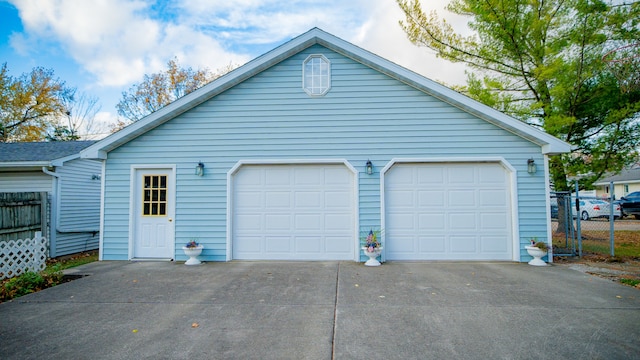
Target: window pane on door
{"x": 154, "y": 202}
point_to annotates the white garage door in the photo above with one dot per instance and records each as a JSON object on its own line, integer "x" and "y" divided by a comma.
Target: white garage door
{"x": 448, "y": 211}
{"x": 293, "y": 212}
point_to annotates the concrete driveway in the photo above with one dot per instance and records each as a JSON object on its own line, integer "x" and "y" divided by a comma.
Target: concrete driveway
{"x": 324, "y": 310}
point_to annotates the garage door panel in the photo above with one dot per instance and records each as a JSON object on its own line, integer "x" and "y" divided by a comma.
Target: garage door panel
{"x": 250, "y": 199}
{"x": 276, "y": 199}
{"x": 401, "y": 247}
{"x": 401, "y": 198}
{"x": 494, "y": 244}
{"x": 430, "y": 198}
{"x": 249, "y": 244}
{"x": 308, "y": 222}
{"x": 432, "y": 244}
{"x": 460, "y": 175}
{"x": 337, "y": 200}
{"x": 252, "y": 222}
{"x": 463, "y": 244}
{"x": 308, "y": 245}
{"x": 462, "y": 221}
{"x": 277, "y": 222}
{"x": 308, "y": 176}
{"x": 488, "y": 175}
{"x": 250, "y": 177}
{"x": 493, "y": 221}
{"x": 293, "y": 212}
{"x": 432, "y": 175}
{"x": 275, "y": 176}
{"x": 339, "y": 222}
{"x": 461, "y": 198}
{"x": 431, "y": 221}
{"x": 277, "y": 244}
{"x": 453, "y": 211}
{"x": 337, "y": 176}
{"x": 493, "y": 198}
{"x": 337, "y": 245}
{"x": 308, "y": 199}
{"x": 402, "y": 176}
{"x": 402, "y": 219}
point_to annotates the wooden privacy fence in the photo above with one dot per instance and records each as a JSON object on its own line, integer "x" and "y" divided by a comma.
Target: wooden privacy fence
{"x": 22, "y": 214}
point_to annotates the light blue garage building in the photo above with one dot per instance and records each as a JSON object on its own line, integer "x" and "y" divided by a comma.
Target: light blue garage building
{"x": 309, "y": 145}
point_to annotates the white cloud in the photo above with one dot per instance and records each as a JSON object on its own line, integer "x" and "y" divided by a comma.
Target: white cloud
{"x": 118, "y": 41}
{"x": 382, "y": 35}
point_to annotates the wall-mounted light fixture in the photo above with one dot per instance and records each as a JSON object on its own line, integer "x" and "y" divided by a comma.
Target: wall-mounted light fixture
{"x": 95, "y": 177}
{"x": 531, "y": 166}
{"x": 369, "y": 166}
{"x": 200, "y": 169}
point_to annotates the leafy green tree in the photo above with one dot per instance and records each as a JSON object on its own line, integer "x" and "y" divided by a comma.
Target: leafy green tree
{"x": 159, "y": 89}
{"x": 541, "y": 62}
{"x": 31, "y": 104}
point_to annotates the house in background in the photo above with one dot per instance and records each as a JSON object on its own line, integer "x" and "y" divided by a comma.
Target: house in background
{"x": 72, "y": 185}
{"x": 625, "y": 182}
{"x": 297, "y": 153}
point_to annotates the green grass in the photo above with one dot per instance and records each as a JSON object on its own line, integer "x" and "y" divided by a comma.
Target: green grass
{"x": 630, "y": 282}
{"x": 626, "y": 243}
{"x": 31, "y": 282}
{"x": 73, "y": 261}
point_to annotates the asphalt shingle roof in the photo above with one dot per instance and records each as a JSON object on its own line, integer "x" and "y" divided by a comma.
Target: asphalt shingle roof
{"x": 624, "y": 175}
{"x": 40, "y": 151}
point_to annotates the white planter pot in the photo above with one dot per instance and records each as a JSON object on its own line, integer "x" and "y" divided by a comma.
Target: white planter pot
{"x": 537, "y": 255}
{"x": 193, "y": 253}
{"x": 372, "y": 256}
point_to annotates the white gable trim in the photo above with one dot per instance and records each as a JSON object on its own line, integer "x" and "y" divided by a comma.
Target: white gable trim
{"x": 550, "y": 145}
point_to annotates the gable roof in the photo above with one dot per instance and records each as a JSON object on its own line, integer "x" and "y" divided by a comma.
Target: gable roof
{"x": 40, "y": 153}
{"x": 550, "y": 144}
{"x": 625, "y": 176}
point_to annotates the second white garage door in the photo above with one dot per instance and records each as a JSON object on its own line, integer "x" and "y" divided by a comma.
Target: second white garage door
{"x": 293, "y": 212}
{"x": 448, "y": 211}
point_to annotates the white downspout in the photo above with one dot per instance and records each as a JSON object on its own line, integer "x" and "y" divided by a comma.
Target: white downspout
{"x": 54, "y": 211}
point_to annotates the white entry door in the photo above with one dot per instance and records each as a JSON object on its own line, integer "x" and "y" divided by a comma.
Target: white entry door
{"x": 448, "y": 211}
{"x": 154, "y": 213}
{"x": 293, "y": 212}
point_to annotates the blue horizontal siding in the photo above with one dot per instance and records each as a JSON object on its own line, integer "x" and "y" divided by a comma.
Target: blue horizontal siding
{"x": 365, "y": 115}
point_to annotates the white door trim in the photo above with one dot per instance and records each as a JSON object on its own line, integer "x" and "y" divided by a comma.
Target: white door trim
{"x": 515, "y": 226}
{"x": 132, "y": 201}
{"x": 234, "y": 169}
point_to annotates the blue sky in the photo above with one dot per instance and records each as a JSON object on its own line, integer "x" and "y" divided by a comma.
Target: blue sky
{"x": 103, "y": 47}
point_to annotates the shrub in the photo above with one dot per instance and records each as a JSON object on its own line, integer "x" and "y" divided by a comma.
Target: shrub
{"x": 30, "y": 282}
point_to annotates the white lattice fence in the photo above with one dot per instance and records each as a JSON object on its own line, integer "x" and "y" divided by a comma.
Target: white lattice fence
{"x": 20, "y": 256}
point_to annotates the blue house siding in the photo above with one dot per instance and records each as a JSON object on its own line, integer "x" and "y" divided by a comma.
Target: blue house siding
{"x": 365, "y": 115}
{"x": 78, "y": 213}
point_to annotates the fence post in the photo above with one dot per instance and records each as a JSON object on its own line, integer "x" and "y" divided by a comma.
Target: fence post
{"x": 44, "y": 219}
{"x": 611, "y": 218}
{"x": 578, "y": 220}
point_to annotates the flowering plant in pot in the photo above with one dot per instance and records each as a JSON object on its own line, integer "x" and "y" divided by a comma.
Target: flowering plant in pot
{"x": 537, "y": 250}
{"x": 372, "y": 247}
{"x": 192, "y": 249}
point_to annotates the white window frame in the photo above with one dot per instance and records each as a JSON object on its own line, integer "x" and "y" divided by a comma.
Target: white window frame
{"x": 318, "y": 82}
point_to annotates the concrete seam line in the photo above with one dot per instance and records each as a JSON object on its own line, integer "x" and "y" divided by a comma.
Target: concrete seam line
{"x": 335, "y": 315}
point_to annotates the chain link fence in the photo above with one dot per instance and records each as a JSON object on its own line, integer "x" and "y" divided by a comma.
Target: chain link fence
{"x": 587, "y": 221}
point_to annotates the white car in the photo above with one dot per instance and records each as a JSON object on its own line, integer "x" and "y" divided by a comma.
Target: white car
{"x": 594, "y": 208}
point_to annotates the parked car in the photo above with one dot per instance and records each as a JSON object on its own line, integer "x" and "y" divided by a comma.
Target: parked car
{"x": 630, "y": 204}
{"x": 595, "y": 208}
